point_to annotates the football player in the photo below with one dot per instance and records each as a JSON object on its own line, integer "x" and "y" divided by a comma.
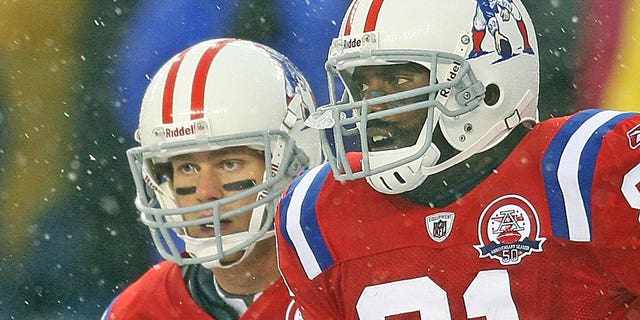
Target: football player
{"x": 216, "y": 133}
{"x": 460, "y": 203}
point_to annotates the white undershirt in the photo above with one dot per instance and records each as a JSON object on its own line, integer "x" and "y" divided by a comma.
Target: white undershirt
{"x": 240, "y": 303}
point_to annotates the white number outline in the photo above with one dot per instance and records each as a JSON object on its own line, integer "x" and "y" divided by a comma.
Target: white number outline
{"x": 488, "y": 295}
{"x": 629, "y": 187}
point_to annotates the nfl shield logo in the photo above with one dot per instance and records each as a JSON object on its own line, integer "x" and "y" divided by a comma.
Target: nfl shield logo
{"x": 439, "y": 229}
{"x": 439, "y": 225}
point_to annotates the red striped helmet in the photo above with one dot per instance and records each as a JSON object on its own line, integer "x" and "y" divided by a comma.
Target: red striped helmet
{"x": 217, "y": 94}
{"x": 482, "y": 60}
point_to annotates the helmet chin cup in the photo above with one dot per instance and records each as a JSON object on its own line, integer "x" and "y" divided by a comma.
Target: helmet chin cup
{"x": 402, "y": 178}
{"x": 211, "y": 250}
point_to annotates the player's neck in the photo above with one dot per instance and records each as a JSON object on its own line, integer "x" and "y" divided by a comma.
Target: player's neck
{"x": 254, "y": 274}
{"x": 448, "y": 186}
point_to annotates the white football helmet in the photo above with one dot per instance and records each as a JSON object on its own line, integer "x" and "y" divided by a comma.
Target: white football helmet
{"x": 482, "y": 58}
{"x": 221, "y": 93}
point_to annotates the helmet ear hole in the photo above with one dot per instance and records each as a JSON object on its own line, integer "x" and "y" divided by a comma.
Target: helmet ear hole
{"x": 492, "y": 94}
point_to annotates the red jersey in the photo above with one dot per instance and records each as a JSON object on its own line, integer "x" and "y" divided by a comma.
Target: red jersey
{"x": 161, "y": 293}
{"x": 552, "y": 233}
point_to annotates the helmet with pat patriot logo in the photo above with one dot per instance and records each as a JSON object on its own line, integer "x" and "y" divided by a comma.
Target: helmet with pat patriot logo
{"x": 482, "y": 57}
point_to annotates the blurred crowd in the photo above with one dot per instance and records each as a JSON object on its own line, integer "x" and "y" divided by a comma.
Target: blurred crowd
{"x": 72, "y": 75}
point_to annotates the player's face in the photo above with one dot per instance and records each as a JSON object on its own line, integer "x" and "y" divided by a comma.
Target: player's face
{"x": 211, "y": 175}
{"x": 399, "y": 130}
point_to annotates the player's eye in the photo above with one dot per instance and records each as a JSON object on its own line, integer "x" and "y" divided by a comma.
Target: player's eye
{"x": 397, "y": 80}
{"x": 231, "y": 165}
{"x": 363, "y": 88}
{"x": 188, "y": 168}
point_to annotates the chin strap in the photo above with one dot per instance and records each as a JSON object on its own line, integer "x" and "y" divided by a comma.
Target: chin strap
{"x": 487, "y": 139}
{"x": 247, "y": 251}
{"x": 208, "y": 246}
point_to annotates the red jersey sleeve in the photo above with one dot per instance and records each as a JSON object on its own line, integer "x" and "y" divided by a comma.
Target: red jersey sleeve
{"x": 616, "y": 202}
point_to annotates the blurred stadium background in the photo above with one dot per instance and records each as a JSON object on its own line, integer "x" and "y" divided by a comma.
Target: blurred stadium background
{"x": 72, "y": 74}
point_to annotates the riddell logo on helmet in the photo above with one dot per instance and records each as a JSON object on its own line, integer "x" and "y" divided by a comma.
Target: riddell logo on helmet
{"x": 352, "y": 43}
{"x": 454, "y": 69}
{"x": 180, "y": 131}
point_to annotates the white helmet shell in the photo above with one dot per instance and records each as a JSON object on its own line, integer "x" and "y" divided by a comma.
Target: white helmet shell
{"x": 221, "y": 93}
{"x": 483, "y": 56}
